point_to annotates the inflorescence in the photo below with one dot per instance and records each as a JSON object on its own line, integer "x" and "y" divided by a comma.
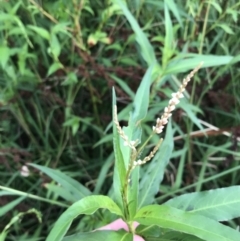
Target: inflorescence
{"x": 160, "y": 122}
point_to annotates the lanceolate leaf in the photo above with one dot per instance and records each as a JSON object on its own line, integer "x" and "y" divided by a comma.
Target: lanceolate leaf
{"x": 101, "y": 236}
{"x": 75, "y": 188}
{"x": 87, "y": 205}
{"x": 141, "y": 100}
{"x": 186, "y": 62}
{"x": 147, "y": 50}
{"x": 220, "y": 204}
{"x": 120, "y": 165}
{"x": 9, "y": 206}
{"x": 140, "y": 108}
{"x": 178, "y": 220}
{"x": 173, "y": 235}
{"x": 150, "y": 183}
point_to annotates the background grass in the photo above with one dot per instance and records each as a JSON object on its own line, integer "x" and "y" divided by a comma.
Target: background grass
{"x": 59, "y": 60}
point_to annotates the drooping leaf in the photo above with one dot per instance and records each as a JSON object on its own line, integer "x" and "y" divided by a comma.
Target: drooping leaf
{"x": 87, "y": 205}
{"x": 70, "y": 185}
{"x": 190, "y": 223}
{"x": 40, "y": 31}
{"x": 186, "y": 62}
{"x": 221, "y": 204}
{"x": 226, "y": 28}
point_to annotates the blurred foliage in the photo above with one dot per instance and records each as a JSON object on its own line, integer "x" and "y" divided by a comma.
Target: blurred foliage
{"x": 58, "y": 62}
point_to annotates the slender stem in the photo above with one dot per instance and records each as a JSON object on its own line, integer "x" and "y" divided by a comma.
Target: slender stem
{"x": 204, "y": 28}
{"x": 145, "y": 143}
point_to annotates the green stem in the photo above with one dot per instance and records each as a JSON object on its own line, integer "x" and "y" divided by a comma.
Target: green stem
{"x": 145, "y": 143}
{"x": 204, "y": 28}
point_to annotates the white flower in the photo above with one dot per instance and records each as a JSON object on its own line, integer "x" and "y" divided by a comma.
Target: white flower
{"x": 174, "y": 101}
{"x": 24, "y": 171}
{"x": 139, "y": 162}
{"x": 125, "y": 143}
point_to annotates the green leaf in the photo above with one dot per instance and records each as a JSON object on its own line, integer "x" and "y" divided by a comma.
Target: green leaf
{"x": 234, "y": 14}
{"x": 134, "y": 192}
{"x": 141, "y": 100}
{"x": 134, "y": 131}
{"x": 150, "y": 182}
{"x": 40, "y": 31}
{"x": 147, "y": 50}
{"x": 175, "y": 9}
{"x": 73, "y": 122}
{"x": 120, "y": 166}
{"x": 60, "y": 28}
{"x": 215, "y": 5}
{"x": 4, "y": 55}
{"x": 8, "y": 207}
{"x": 226, "y": 28}
{"x": 191, "y": 111}
{"x": 70, "y": 185}
{"x": 59, "y": 191}
{"x": 186, "y": 62}
{"x": 104, "y": 235}
{"x": 128, "y": 61}
{"x": 54, "y": 67}
{"x": 55, "y": 46}
{"x": 172, "y": 235}
{"x": 103, "y": 173}
{"x": 88, "y": 206}
{"x": 71, "y": 79}
{"x": 178, "y": 220}
{"x": 221, "y": 204}
{"x": 124, "y": 86}
{"x": 169, "y": 39}
{"x": 3, "y": 235}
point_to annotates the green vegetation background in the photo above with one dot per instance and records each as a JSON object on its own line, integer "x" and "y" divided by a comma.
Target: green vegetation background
{"x": 58, "y": 63}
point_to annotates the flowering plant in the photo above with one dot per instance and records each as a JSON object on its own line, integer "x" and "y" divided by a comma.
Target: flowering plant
{"x": 193, "y": 216}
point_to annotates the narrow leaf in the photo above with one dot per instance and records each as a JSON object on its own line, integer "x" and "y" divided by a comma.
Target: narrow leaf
{"x": 40, "y": 31}
{"x": 149, "y": 185}
{"x": 187, "y": 62}
{"x": 168, "y": 43}
{"x": 4, "y": 55}
{"x": 101, "y": 236}
{"x": 178, "y": 220}
{"x": 147, "y": 50}
{"x": 220, "y": 204}
{"x": 8, "y": 207}
{"x": 87, "y": 205}
{"x": 226, "y": 28}
{"x": 75, "y": 188}
{"x": 172, "y": 235}
{"x": 141, "y": 100}
{"x": 120, "y": 166}
{"x": 175, "y": 10}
